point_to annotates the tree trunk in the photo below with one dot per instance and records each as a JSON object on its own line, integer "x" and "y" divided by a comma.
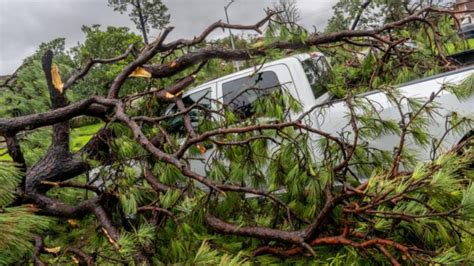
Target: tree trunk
{"x": 142, "y": 22}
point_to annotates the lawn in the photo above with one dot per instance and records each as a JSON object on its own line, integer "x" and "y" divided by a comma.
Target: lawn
{"x": 79, "y": 137}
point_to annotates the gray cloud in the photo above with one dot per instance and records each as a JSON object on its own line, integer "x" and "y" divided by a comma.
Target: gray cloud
{"x": 24, "y": 24}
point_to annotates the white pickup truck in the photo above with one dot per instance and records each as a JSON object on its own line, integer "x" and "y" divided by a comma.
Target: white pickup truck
{"x": 304, "y": 75}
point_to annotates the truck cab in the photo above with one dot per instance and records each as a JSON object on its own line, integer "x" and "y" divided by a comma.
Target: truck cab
{"x": 303, "y": 76}
{"x": 295, "y": 73}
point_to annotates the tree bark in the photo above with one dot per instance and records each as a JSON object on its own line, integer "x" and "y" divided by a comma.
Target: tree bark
{"x": 142, "y": 22}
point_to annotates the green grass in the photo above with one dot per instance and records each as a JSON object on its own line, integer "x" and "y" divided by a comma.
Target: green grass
{"x": 6, "y": 156}
{"x": 3, "y": 151}
{"x": 81, "y": 135}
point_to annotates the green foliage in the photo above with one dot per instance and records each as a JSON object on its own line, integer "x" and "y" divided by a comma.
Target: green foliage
{"x": 35, "y": 145}
{"x": 10, "y": 177}
{"x": 109, "y": 43}
{"x": 30, "y": 93}
{"x": 468, "y": 203}
{"x": 463, "y": 90}
{"x": 17, "y": 224}
{"x": 206, "y": 256}
{"x": 375, "y": 13}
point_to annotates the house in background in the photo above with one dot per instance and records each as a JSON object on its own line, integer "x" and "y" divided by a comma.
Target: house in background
{"x": 462, "y": 5}
{"x": 466, "y": 18}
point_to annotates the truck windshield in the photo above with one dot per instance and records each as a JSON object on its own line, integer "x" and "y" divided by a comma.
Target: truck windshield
{"x": 317, "y": 72}
{"x": 201, "y": 98}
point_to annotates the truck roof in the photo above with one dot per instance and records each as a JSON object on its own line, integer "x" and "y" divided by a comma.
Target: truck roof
{"x": 299, "y": 57}
{"x": 422, "y": 80}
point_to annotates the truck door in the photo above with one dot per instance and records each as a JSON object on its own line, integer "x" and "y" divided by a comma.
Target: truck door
{"x": 202, "y": 99}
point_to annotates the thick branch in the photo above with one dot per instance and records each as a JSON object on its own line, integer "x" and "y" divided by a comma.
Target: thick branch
{"x": 337, "y": 240}
{"x": 203, "y": 54}
{"x": 58, "y": 100}
{"x": 258, "y": 232}
{"x": 14, "y": 150}
{"x": 93, "y": 106}
{"x": 154, "y": 183}
{"x": 91, "y": 62}
{"x": 55, "y": 167}
{"x": 148, "y": 53}
{"x": 359, "y": 13}
{"x": 219, "y": 24}
{"x": 39, "y": 247}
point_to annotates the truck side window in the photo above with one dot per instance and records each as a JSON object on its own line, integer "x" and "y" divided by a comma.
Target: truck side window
{"x": 240, "y": 94}
{"x": 317, "y": 72}
{"x": 175, "y": 125}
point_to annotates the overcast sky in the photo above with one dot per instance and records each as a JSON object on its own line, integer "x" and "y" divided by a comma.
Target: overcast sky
{"x": 24, "y": 24}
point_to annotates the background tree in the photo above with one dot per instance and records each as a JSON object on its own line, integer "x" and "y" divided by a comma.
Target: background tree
{"x": 363, "y": 14}
{"x": 108, "y": 43}
{"x": 288, "y": 12}
{"x": 146, "y": 14}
